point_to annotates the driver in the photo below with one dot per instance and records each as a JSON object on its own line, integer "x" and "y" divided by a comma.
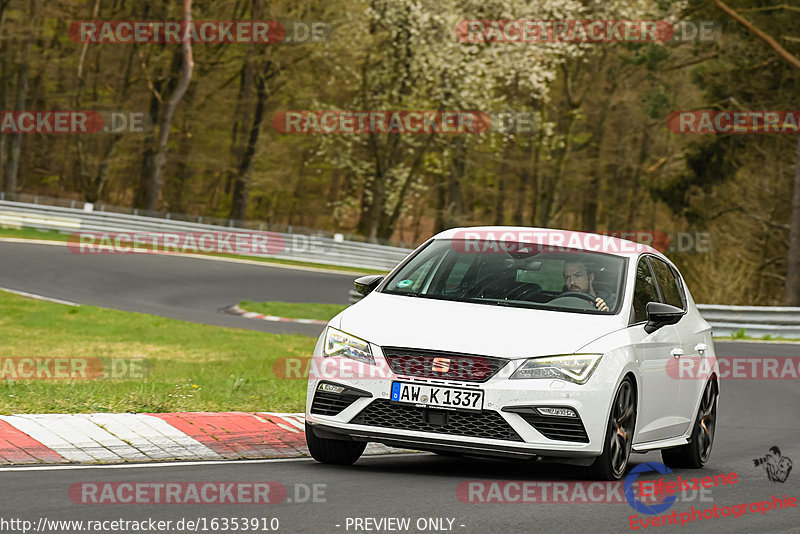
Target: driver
{"x": 578, "y": 277}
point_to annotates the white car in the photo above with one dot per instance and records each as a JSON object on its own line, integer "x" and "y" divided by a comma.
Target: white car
{"x": 522, "y": 343}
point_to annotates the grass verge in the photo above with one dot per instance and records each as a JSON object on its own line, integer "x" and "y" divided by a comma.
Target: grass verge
{"x": 192, "y": 367}
{"x": 320, "y": 312}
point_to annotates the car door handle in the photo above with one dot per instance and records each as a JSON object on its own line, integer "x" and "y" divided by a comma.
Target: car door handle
{"x": 701, "y": 348}
{"x": 677, "y": 352}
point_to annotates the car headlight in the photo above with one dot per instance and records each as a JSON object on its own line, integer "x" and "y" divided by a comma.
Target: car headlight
{"x": 337, "y": 343}
{"x": 574, "y": 367}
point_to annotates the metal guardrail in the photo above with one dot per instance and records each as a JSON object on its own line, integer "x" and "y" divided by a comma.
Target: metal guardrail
{"x": 755, "y": 321}
{"x": 301, "y": 247}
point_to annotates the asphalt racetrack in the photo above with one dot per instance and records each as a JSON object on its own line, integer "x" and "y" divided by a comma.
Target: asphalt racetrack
{"x": 425, "y": 489}
{"x": 178, "y": 287}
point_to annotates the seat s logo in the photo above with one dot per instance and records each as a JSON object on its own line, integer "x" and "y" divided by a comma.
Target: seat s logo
{"x": 441, "y": 365}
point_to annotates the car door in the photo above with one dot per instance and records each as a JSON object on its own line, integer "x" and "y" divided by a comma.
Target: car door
{"x": 658, "y": 413}
{"x": 692, "y": 341}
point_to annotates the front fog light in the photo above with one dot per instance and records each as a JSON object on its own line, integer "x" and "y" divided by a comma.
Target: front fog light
{"x": 576, "y": 368}
{"x": 558, "y": 412}
{"x": 337, "y": 343}
{"x": 330, "y": 388}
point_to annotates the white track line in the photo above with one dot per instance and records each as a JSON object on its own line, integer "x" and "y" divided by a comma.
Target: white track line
{"x": 38, "y": 297}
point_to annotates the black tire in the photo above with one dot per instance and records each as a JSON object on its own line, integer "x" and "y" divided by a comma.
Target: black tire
{"x": 333, "y": 451}
{"x": 696, "y": 453}
{"x": 613, "y": 462}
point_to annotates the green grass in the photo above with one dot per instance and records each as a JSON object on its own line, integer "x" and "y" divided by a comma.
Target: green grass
{"x": 53, "y": 235}
{"x": 321, "y": 312}
{"x": 192, "y": 367}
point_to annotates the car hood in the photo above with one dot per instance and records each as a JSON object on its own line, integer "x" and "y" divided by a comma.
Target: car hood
{"x": 413, "y": 322}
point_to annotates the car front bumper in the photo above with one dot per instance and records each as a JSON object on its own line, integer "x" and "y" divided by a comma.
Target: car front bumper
{"x": 509, "y": 408}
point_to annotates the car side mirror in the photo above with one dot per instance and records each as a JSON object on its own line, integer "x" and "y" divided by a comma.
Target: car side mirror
{"x": 366, "y": 284}
{"x": 660, "y": 314}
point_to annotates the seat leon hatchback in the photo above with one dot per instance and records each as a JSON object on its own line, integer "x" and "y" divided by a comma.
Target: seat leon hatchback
{"x": 521, "y": 343}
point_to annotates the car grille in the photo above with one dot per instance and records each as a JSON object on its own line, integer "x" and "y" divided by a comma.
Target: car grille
{"x": 485, "y": 424}
{"x": 561, "y": 428}
{"x": 444, "y": 365}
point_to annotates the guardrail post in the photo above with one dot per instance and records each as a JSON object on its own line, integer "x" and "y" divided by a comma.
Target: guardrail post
{"x": 167, "y": 216}
{"x": 72, "y": 205}
{"x": 2, "y": 195}
{"x": 36, "y": 199}
{"x": 199, "y": 219}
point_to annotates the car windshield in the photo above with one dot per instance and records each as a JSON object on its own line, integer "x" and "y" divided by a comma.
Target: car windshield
{"x": 514, "y": 274}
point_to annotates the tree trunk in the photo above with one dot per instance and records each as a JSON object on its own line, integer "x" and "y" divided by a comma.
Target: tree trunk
{"x": 241, "y": 182}
{"x": 553, "y": 179}
{"x": 592, "y": 191}
{"x": 23, "y": 70}
{"x": 793, "y": 258}
{"x": 152, "y": 185}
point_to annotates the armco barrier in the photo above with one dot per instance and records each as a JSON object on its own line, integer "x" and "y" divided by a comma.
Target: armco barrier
{"x": 756, "y": 321}
{"x": 301, "y": 247}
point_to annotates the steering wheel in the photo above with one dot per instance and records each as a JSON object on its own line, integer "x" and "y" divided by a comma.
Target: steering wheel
{"x": 578, "y": 294}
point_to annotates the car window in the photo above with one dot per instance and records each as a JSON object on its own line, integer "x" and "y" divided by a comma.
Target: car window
{"x": 515, "y": 275}
{"x": 645, "y": 291}
{"x": 670, "y": 290}
{"x": 457, "y": 274}
{"x": 415, "y": 277}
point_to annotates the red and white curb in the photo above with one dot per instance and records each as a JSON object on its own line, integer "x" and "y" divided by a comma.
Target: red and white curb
{"x": 127, "y": 437}
{"x": 236, "y": 310}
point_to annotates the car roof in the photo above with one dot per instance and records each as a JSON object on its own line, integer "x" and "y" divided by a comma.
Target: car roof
{"x": 557, "y": 238}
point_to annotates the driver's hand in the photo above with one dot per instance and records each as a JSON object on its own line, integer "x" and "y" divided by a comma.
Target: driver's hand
{"x": 601, "y": 304}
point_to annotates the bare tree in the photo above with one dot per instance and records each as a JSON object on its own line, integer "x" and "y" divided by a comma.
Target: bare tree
{"x": 792, "y": 284}
{"x": 152, "y": 182}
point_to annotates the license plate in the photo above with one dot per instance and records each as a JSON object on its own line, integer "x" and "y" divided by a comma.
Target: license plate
{"x": 443, "y": 397}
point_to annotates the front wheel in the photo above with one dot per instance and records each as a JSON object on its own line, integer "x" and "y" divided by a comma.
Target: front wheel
{"x": 611, "y": 465}
{"x": 333, "y": 451}
{"x": 696, "y": 453}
